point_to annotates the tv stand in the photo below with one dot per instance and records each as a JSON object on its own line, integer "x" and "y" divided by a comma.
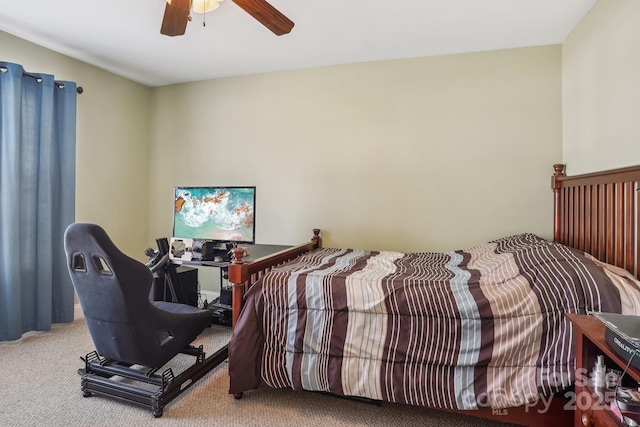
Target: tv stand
{"x": 201, "y": 250}
{"x": 253, "y": 252}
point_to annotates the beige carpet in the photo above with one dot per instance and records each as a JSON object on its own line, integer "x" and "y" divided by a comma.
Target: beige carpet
{"x": 41, "y": 387}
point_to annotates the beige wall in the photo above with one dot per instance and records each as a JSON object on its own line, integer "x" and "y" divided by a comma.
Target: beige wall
{"x": 431, "y": 154}
{"x": 112, "y": 142}
{"x": 459, "y": 147}
{"x": 601, "y": 89}
{"x": 424, "y": 154}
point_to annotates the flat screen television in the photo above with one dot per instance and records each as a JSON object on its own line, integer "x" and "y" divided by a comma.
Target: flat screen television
{"x": 218, "y": 214}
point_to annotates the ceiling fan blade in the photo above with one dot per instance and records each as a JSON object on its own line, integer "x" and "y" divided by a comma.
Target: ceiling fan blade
{"x": 267, "y": 15}
{"x": 176, "y": 16}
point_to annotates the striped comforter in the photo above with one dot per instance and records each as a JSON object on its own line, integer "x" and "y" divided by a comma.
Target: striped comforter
{"x": 481, "y": 327}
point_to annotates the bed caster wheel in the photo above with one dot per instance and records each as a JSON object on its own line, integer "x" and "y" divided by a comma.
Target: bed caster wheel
{"x": 86, "y": 393}
{"x": 237, "y": 396}
{"x": 157, "y": 414}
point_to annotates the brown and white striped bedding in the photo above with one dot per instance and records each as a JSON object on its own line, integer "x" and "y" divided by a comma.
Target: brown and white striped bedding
{"x": 481, "y": 327}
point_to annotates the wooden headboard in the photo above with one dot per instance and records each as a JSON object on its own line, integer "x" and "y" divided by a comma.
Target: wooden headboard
{"x": 598, "y": 213}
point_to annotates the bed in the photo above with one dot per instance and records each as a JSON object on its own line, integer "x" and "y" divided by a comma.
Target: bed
{"x": 480, "y": 330}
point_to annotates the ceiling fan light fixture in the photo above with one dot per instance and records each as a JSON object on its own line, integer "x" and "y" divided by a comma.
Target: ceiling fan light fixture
{"x": 178, "y": 12}
{"x": 204, "y": 6}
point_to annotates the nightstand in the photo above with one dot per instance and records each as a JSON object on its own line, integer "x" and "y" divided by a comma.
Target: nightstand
{"x": 592, "y": 406}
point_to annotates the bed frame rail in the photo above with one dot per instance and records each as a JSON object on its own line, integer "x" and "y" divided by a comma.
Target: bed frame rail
{"x": 598, "y": 213}
{"x": 242, "y": 275}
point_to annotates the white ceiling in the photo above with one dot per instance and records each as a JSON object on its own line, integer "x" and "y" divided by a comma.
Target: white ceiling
{"x": 123, "y": 36}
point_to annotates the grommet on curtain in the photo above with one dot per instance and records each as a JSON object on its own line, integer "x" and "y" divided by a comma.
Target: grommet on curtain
{"x": 60, "y": 85}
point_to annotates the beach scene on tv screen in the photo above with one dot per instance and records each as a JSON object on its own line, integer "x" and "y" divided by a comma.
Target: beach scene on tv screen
{"x": 223, "y": 214}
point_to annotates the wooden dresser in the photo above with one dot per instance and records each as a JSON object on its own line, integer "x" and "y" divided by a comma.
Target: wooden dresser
{"x": 592, "y": 407}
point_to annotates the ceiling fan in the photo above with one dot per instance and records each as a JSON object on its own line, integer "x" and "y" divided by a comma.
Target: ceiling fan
{"x": 177, "y": 14}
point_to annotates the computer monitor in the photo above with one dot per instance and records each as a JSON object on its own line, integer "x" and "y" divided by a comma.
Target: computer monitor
{"x": 218, "y": 214}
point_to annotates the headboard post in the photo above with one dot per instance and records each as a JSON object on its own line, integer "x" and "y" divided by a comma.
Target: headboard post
{"x": 557, "y": 200}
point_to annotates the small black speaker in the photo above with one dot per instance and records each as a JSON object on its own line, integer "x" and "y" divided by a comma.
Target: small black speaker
{"x": 225, "y": 296}
{"x": 208, "y": 251}
{"x": 188, "y": 282}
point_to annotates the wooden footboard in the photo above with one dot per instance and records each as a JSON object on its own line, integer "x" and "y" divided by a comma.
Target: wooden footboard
{"x": 242, "y": 275}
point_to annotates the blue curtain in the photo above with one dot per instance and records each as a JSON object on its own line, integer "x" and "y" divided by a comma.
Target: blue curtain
{"x": 37, "y": 199}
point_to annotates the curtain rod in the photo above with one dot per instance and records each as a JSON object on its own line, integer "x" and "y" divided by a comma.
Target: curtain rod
{"x": 60, "y": 84}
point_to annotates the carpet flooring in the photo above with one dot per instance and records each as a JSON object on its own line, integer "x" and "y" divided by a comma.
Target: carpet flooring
{"x": 41, "y": 387}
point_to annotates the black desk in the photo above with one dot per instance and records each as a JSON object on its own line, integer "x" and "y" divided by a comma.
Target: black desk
{"x": 255, "y": 252}
{"x": 220, "y": 308}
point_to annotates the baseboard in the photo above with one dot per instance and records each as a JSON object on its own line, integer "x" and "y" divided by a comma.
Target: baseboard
{"x": 77, "y": 312}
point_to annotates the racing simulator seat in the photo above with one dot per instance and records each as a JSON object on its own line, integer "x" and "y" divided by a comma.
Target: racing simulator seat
{"x": 133, "y": 336}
